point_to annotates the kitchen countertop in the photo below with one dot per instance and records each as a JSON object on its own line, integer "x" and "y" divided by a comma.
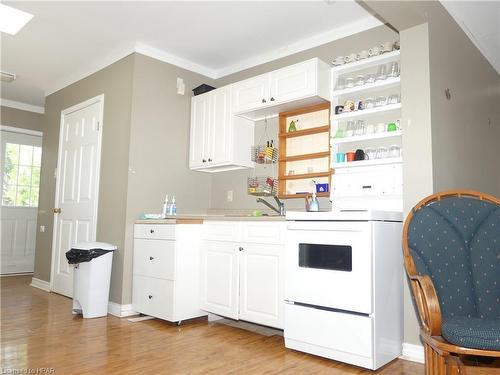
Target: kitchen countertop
{"x": 199, "y": 218}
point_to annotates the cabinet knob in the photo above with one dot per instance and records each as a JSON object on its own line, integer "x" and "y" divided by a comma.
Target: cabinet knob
{"x": 204, "y": 160}
{"x": 240, "y": 248}
{"x": 272, "y": 99}
{"x": 151, "y": 258}
{"x": 209, "y": 159}
{"x": 151, "y": 231}
{"x": 264, "y": 100}
{"x": 150, "y": 296}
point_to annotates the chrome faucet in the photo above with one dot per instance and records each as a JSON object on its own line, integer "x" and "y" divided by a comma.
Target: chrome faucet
{"x": 281, "y": 205}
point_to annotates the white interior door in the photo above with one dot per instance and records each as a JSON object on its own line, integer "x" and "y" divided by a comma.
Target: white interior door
{"x": 20, "y": 178}
{"x": 77, "y": 186}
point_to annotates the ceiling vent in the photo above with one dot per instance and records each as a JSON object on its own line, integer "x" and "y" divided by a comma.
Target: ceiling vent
{"x": 7, "y": 77}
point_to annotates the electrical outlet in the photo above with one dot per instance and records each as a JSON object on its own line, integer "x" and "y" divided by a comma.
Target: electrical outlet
{"x": 229, "y": 196}
{"x": 42, "y": 228}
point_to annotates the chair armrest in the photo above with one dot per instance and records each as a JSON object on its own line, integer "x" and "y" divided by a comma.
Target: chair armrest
{"x": 427, "y": 304}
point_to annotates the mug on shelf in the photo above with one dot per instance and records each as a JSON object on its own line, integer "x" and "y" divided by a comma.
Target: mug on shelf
{"x": 350, "y": 156}
{"x": 386, "y": 47}
{"x": 340, "y": 157}
{"x": 374, "y": 51}
{"x": 339, "y": 61}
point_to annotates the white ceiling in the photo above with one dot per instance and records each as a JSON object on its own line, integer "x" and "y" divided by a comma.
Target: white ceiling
{"x": 66, "y": 41}
{"x": 480, "y": 20}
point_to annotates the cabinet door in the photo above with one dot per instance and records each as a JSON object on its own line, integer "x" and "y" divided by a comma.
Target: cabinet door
{"x": 261, "y": 290}
{"x": 199, "y": 131}
{"x": 220, "y": 278}
{"x": 250, "y": 94}
{"x": 220, "y": 134}
{"x": 294, "y": 82}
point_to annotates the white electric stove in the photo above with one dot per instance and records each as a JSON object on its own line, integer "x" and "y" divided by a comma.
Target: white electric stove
{"x": 344, "y": 285}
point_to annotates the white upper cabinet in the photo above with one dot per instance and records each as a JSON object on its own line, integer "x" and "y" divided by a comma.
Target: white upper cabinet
{"x": 219, "y": 140}
{"x": 251, "y": 93}
{"x": 294, "y": 86}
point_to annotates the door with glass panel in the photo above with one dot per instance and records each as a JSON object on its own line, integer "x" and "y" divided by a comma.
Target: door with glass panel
{"x": 20, "y": 179}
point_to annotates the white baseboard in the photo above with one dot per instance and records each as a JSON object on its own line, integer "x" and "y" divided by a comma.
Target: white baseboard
{"x": 412, "y": 352}
{"x": 40, "y": 284}
{"x": 121, "y": 311}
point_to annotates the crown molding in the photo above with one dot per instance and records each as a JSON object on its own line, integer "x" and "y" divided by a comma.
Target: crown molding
{"x": 21, "y": 106}
{"x": 302, "y": 45}
{"x": 169, "y": 58}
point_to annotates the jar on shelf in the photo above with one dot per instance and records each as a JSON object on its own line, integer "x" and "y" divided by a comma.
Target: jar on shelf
{"x": 360, "y": 80}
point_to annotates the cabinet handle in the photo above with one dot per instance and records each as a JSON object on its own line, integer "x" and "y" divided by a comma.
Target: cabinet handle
{"x": 240, "y": 248}
{"x": 264, "y": 100}
{"x": 151, "y": 231}
{"x": 151, "y": 258}
{"x": 150, "y": 296}
{"x": 204, "y": 160}
{"x": 272, "y": 99}
{"x": 209, "y": 159}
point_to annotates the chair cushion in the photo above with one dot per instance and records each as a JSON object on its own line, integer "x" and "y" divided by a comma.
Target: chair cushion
{"x": 456, "y": 241}
{"x": 473, "y": 333}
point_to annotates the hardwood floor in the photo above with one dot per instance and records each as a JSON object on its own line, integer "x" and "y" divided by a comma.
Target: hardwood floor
{"x": 39, "y": 331}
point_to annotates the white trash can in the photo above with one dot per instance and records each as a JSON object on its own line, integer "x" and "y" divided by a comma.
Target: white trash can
{"x": 92, "y": 277}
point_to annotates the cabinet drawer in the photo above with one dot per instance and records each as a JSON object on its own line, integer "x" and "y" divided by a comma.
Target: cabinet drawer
{"x": 154, "y": 258}
{"x": 153, "y": 297}
{"x": 222, "y": 231}
{"x": 268, "y": 233}
{"x": 341, "y": 332}
{"x": 155, "y": 231}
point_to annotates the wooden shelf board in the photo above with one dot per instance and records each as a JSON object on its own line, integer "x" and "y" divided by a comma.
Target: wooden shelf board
{"x": 302, "y": 195}
{"x": 300, "y": 133}
{"x": 316, "y": 155}
{"x": 305, "y": 176}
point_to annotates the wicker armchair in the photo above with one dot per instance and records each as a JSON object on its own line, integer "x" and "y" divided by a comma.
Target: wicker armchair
{"x": 451, "y": 245}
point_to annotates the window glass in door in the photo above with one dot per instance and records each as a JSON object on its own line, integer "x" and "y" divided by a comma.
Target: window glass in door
{"x": 21, "y": 175}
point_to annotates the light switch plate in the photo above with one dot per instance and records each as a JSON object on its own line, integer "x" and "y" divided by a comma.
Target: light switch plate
{"x": 229, "y": 196}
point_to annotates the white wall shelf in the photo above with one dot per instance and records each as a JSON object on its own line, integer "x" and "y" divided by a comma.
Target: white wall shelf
{"x": 367, "y": 63}
{"x": 367, "y": 137}
{"x": 378, "y": 85}
{"x": 368, "y": 112}
{"x": 367, "y": 163}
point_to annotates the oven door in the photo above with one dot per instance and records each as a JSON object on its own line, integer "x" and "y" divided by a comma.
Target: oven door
{"x": 329, "y": 264}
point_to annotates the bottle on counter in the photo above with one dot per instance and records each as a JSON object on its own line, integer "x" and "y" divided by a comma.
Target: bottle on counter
{"x": 172, "y": 208}
{"x": 165, "y": 209}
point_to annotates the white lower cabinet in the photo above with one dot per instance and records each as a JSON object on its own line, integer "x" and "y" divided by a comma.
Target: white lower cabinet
{"x": 166, "y": 271}
{"x": 244, "y": 280}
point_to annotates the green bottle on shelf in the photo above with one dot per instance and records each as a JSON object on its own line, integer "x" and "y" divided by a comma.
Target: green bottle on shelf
{"x": 292, "y": 127}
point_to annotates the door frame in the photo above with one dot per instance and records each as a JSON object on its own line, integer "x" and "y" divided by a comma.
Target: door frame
{"x": 97, "y": 99}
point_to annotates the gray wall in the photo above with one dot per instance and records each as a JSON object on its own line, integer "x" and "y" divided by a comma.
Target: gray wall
{"x": 159, "y": 148}
{"x": 20, "y": 119}
{"x": 236, "y": 180}
{"x": 115, "y": 82}
{"x": 465, "y": 129}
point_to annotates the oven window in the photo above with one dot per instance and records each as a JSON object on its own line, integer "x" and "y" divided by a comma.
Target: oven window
{"x": 325, "y": 257}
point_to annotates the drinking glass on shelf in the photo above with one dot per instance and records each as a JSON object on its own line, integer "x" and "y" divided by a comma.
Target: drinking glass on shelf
{"x": 369, "y": 103}
{"x": 360, "y": 127}
{"x": 370, "y": 78}
{"x": 370, "y": 153}
{"x": 381, "y": 152}
{"x": 394, "y": 151}
{"x": 380, "y": 128}
{"x": 370, "y": 129}
{"x": 349, "y": 130}
{"x": 381, "y": 73}
{"x": 393, "y": 99}
{"x": 393, "y": 69}
{"x": 340, "y": 84}
{"x": 360, "y": 80}
{"x": 381, "y": 101}
{"x": 349, "y": 82}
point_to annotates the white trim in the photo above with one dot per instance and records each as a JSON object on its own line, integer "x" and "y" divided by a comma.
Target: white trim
{"x": 412, "y": 352}
{"x": 121, "y": 311}
{"x": 302, "y": 45}
{"x": 169, "y": 58}
{"x": 83, "y": 73}
{"x": 97, "y": 99}
{"x": 40, "y": 284}
{"x": 21, "y": 106}
{"x": 13, "y": 129}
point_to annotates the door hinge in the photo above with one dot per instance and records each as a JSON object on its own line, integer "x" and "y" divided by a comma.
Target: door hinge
{"x": 98, "y": 125}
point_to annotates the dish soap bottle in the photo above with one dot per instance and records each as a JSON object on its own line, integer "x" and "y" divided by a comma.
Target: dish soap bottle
{"x": 165, "y": 207}
{"x": 314, "y": 205}
{"x": 292, "y": 127}
{"x": 173, "y": 208}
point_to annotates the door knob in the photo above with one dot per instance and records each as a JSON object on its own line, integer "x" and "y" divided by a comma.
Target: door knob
{"x": 263, "y": 100}
{"x": 240, "y": 248}
{"x": 150, "y": 296}
{"x": 204, "y": 160}
{"x": 209, "y": 159}
{"x": 272, "y": 99}
{"x": 151, "y": 231}
{"x": 151, "y": 258}
{"x": 57, "y": 210}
